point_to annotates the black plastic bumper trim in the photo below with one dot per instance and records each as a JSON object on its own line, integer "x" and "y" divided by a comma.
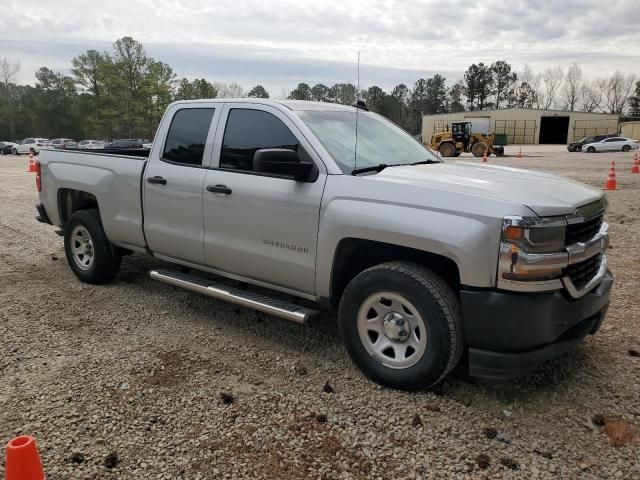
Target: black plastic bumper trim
{"x": 510, "y": 334}
{"x": 504, "y": 321}
{"x": 504, "y": 366}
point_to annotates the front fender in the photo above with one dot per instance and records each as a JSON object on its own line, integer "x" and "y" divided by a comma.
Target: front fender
{"x": 472, "y": 243}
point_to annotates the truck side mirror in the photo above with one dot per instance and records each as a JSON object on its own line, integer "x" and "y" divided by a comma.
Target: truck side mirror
{"x": 281, "y": 161}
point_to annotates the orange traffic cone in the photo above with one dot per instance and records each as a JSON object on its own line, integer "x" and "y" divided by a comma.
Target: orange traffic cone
{"x": 635, "y": 168}
{"x": 31, "y": 166}
{"x": 22, "y": 460}
{"x": 610, "y": 182}
{"x": 520, "y": 153}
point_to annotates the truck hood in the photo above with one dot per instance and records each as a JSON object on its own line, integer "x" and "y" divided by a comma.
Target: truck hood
{"x": 544, "y": 193}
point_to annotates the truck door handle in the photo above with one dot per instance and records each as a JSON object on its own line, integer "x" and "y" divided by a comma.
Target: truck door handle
{"x": 157, "y": 180}
{"x": 223, "y": 189}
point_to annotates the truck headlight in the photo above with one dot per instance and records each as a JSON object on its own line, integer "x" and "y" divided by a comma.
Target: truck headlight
{"x": 534, "y": 235}
{"x": 532, "y": 250}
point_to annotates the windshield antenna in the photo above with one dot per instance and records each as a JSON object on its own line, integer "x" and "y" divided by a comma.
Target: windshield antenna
{"x": 355, "y": 150}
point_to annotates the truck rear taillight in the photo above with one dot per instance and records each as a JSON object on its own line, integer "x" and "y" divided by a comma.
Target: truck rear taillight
{"x": 40, "y": 144}
{"x": 38, "y": 176}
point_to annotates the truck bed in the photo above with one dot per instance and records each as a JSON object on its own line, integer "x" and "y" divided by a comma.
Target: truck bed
{"x": 127, "y": 152}
{"x": 114, "y": 179}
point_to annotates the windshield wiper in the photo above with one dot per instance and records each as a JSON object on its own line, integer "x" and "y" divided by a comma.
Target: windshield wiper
{"x": 381, "y": 166}
{"x": 376, "y": 168}
{"x": 424, "y": 162}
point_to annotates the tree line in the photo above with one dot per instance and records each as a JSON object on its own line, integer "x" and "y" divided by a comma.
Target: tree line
{"x": 123, "y": 93}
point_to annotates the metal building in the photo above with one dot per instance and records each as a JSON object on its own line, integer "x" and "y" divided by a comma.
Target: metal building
{"x": 630, "y": 130}
{"x": 527, "y": 125}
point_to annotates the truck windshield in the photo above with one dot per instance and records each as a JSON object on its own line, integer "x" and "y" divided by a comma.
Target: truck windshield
{"x": 379, "y": 140}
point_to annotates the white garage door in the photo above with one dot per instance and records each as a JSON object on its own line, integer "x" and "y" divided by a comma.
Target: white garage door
{"x": 479, "y": 124}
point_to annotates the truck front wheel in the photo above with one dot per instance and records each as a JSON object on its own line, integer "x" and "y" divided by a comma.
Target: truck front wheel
{"x": 401, "y": 325}
{"x": 90, "y": 254}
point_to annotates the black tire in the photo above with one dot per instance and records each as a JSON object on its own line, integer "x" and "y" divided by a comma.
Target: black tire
{"x": 14, "y": 151}
{"x": 626, "y": 148}
{"x": 447, "y": 150}
{"x": 591, "y": 149}
{"x": 106, "y": 258}
{"x": 478, "y": 149}
{"x": 434, "y": 301}
{"x": 32, "y": 151}
{"x": 577, "y": 149}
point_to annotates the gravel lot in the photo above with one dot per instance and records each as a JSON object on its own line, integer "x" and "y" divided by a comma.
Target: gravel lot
{"x": 138, "y": 379}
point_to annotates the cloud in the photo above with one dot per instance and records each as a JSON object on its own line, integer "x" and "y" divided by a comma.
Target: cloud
{"x": 275, "y": 69}
{"x": 282, "y": 42}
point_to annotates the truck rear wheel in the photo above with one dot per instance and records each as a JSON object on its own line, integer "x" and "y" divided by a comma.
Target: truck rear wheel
{"x": 478, "y": 149}
{"x": 90, "y": 254}
{"x": 447, "y": 149}
{"x": 401, "y": 324}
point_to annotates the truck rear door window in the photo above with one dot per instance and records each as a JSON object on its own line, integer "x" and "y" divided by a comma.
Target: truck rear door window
{"x": 187, "y": 136}
{"x": 250, "y": 130}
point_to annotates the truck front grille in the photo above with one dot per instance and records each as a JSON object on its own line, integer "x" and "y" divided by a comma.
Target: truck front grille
{"x": 581, "y": 273}
{"x": 581, "y": 232}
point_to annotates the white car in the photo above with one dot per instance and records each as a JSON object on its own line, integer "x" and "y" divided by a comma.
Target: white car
{"x": 31, "y": 145}
{"x": 90, "y": 144}
{"x": 613, "y": 144}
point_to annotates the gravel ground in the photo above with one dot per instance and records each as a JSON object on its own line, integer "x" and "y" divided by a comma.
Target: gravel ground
{"x": 138, "y": 379}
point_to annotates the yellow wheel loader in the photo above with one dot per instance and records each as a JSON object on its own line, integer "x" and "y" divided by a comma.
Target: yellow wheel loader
{"x": 460, "y": 139}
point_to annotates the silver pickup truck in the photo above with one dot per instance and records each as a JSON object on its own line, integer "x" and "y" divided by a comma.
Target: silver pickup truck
{"x": 423, "y": 260}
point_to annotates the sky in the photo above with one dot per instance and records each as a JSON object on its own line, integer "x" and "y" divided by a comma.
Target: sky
{"x": 280, "y": 43}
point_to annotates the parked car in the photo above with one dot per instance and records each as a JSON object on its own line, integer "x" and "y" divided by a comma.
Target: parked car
{"x": 64, "y": 143}
{"x": 577, "y": 146}
{"x": 91, "y": 144}
{"x": 5, "y": 147}
{"x": 127, "y": 143}
{"x": 31, "y": 145}
{"x": 275, "y": 194}
{"x": 613, "y": 144}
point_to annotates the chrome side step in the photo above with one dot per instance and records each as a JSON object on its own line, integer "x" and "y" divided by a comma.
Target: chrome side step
{"x": 262, "y": 303}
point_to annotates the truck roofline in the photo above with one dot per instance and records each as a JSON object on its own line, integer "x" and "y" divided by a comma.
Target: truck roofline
{"x": 294, "y": 105}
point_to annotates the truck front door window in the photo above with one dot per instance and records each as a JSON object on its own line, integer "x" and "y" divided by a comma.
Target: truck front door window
{"x": 250, "y": 130}
{"x": 187, "y": 136}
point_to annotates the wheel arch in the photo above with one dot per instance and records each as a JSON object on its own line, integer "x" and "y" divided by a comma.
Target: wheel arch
{"x": 71, "y": 200}
{"x": 354, "y": 255}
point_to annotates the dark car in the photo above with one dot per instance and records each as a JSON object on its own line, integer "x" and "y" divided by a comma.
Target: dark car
{"x": 64, "y": 144}
{"x": 5, "y": 148}
{"x": 127, "y": 143}
{"x": 577, "y": 146}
